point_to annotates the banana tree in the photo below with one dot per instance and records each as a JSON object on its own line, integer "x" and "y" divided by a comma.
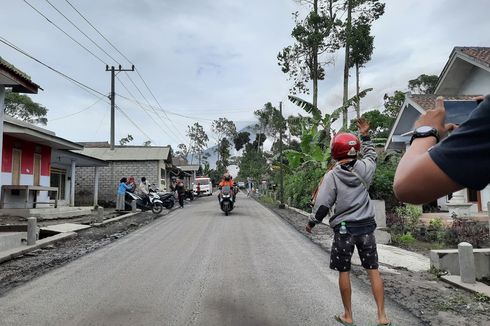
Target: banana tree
{"x": 316, "y": 133}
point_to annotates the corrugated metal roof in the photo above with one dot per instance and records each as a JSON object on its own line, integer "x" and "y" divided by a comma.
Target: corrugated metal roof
{"x": 17, "y": 79}
{"x": 127, "y": 153}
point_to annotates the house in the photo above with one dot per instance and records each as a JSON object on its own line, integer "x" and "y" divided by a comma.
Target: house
{"x": 185, "y": 171}
{"x": 465, "y": 75}
{"x": 152, "y": 162}
{"x": 37, "y": 166}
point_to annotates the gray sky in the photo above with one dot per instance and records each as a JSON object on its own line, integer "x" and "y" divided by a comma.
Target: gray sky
{"x": 213, "y": 58}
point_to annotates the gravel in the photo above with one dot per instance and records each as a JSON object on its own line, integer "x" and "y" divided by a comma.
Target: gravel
{"x": 422, "y": 293}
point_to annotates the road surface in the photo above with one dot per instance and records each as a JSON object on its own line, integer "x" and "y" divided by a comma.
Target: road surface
{"x": 196, "y": 267}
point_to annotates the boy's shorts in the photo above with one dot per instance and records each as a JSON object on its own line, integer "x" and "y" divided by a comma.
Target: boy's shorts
{"x": 343, "y": 248}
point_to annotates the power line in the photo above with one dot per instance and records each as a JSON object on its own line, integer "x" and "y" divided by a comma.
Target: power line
{"x": 78, "y": 112}
{"x": 88, "y": 37}
{"x": 102, "y": 35}
{"x": 140, "y": 105}
{"x": 85, "y": 87}
{"x": 149, "y": 105}
{"x": 139, "y": 74}
{"x": 59, "y": 28}
{"x": 134, "y": 124}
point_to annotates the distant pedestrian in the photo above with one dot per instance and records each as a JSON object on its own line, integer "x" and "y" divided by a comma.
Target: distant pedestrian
{"x": 180, "y": 188}
{"x": 250, "y": 186}
{"x": 346, "y": 185}
{"x": 121, "y": 193}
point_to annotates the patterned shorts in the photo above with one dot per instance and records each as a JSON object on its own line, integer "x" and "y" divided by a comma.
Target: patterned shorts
{"x": 343, "y": 248}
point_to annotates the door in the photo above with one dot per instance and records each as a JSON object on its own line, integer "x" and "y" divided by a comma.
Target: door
{"x": 16, "y": 156}
{"x": 37, "y": 169}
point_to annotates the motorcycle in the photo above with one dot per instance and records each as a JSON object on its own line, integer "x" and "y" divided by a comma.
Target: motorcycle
{"x": 167, "y": 198}
{"x": 154, "y": 203}
{"x": 189, "y": 194}
{"x": 226, "y": 200}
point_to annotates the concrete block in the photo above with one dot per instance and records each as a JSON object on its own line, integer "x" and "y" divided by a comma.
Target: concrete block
{"x": 382, "y": 236}
{"x": 133, "y": 206}
{"x": 380, "y": 213}
{"x": 466, "y": 263}
{"x": 9, "y": 240}
{"x": 31, "y": 231}
{"x": 100, "y": 214}
{"x": 448, "y": 260}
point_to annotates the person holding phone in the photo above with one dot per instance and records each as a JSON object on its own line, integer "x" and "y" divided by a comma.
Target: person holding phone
{"x": 435, "y": 165}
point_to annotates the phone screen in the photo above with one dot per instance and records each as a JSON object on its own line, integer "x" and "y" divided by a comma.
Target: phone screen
{"x": 458, "y": 112}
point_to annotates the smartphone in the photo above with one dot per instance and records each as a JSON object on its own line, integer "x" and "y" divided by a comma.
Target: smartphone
{"x": 458, "y": 111}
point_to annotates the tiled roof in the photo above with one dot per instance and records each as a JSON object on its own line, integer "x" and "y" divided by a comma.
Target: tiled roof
{"x": 481, "y": 54}
{"x": 427, "y": 101}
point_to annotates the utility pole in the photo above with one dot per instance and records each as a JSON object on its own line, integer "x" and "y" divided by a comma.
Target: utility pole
{"x": 113, "y": 99}
{"x": 281, "y": 190}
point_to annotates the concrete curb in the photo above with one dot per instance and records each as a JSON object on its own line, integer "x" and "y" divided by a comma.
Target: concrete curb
{"x": 115, "y": 219}
{"x": 12, "y": 253}
{"x": 477, "y": 287}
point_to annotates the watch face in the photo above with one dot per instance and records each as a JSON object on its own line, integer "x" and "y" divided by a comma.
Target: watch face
{"x": 424, "y": 129}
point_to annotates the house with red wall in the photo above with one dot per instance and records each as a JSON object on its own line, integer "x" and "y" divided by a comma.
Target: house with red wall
{"x": 37, "y": 167}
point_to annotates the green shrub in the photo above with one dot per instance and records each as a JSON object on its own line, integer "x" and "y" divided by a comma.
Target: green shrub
{"x": 382, "y": 184}
{"x": 300, "y": 184}
{"x": 410, "y": 215}
{"x": 406, "y": 239}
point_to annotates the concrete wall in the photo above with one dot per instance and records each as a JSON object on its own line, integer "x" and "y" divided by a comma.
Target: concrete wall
{"x": 109, "y": 177}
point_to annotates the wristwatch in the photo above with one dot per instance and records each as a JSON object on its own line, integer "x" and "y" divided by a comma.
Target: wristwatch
{"x": 425, "y": 131}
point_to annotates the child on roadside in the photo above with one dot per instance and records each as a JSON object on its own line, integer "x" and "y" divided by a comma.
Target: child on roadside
{"x": 346, "y": 186}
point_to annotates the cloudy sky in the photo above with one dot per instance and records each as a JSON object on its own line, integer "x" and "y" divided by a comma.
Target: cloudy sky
{"x": 204, "y": 59}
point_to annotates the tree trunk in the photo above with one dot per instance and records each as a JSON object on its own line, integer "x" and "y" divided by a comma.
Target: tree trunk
{"x": 315, "y": 63}
{"x": 358, "y": 102}
{"x": 346, "y": 66}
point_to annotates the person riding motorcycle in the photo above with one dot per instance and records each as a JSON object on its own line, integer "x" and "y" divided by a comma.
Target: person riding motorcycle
{"x": 144, "y": 191}
{"x": 227, "y": 182}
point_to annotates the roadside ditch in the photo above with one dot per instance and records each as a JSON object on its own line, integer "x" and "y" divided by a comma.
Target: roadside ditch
{"x": 24, "y": 268}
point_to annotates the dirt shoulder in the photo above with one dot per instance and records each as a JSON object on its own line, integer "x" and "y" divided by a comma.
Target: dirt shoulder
{"x": 422, "y": 293}
{"x": 24, "y": 268}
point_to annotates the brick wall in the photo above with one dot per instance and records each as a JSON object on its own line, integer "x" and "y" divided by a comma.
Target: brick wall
{"x": 109, "y": 177}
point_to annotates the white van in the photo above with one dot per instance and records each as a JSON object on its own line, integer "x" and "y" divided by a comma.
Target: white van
{"x": 205, "y": 185}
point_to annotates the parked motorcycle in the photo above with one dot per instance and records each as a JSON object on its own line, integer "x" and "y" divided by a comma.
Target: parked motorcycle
{"x": 167, "y": 198}
{"x": 226, "y": 200}
{"x": 189, "y": 194}
{"x": 155, "y": 204}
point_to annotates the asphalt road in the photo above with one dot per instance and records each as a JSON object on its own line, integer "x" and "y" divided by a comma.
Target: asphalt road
{"x": 196, "y": 267}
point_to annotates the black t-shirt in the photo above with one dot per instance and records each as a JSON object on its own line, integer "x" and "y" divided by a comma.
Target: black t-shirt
{"x": 465, "y": 155}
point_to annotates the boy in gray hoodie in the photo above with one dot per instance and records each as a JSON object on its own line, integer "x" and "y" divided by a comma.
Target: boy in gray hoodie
{"x": 346, "y": 186}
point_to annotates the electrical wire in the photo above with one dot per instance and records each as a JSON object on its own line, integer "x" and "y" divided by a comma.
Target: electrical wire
{"x": 141, "y": 106}
{"x": 84, "y": 34}
{"x": 137, "y": 71}
{"x": 59, "y": 28}
{"x": 134, "y": 124}
{"x": 102, "y": 35}
{"x": 78, "y": 112}
{"x": 85, "y": 87}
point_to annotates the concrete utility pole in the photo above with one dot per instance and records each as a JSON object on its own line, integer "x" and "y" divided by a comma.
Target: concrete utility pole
{"x": 281, "y": 190}
{"x": 113, "y": 99}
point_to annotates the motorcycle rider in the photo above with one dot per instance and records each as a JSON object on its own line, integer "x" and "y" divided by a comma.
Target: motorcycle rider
{"x": 226, "y": 182}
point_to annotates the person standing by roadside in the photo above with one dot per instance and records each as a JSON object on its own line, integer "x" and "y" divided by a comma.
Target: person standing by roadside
{"x": 121, "y": 193}
{"x": 346, "y": 185}
{"x": 180, "y": 188}
{"x": 144, "y": 191}
{"x": 132, "y": 183}
{"x": 249, "y": 187}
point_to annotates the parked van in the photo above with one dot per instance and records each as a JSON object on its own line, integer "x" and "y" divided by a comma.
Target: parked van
{"x": 205, "y": 185}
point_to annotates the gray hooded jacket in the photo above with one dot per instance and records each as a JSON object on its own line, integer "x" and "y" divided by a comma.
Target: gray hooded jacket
{"x": 343, "y": 187}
